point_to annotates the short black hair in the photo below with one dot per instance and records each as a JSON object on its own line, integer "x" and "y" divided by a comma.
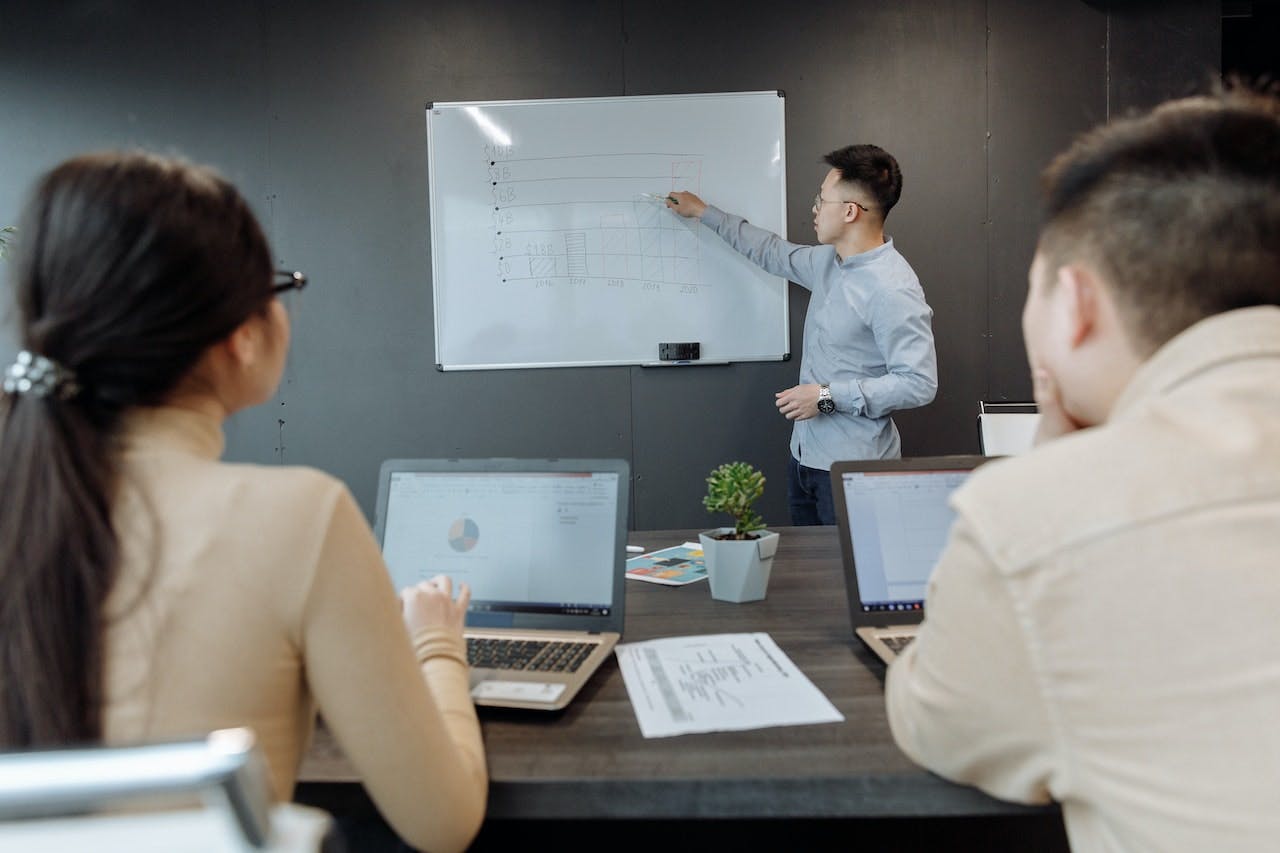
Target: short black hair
{"x": 1179, "y": 209}
{"x": 873, "y": 169}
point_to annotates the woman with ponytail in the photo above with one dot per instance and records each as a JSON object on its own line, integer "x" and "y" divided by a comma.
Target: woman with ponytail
{"x": 149, "y": 591}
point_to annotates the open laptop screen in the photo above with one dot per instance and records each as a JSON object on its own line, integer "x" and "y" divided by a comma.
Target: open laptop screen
{"x": 527, "y": 542}
{"x": 899, "y": 521}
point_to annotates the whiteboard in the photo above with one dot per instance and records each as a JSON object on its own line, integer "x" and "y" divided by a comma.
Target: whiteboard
{"x": 545, "y": 252}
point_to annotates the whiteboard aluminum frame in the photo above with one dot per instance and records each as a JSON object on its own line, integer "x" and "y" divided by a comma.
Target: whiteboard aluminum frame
{"x": 435, "y": 272}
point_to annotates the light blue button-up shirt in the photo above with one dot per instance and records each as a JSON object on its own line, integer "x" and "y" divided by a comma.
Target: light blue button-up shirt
{"x": 868, "y": 335}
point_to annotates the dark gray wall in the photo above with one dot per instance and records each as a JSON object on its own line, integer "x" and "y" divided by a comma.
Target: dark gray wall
{"x": 315, "y": 109}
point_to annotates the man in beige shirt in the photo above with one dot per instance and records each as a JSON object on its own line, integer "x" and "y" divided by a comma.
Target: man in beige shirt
{"x": 1103, "y": 627}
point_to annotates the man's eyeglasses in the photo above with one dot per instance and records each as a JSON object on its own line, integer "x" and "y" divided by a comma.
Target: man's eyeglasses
{"x": 819, "y": 201}
{"x": 286, "y": 280}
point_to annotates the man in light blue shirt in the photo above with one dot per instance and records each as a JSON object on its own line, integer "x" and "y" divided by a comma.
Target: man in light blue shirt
{"x": 868, "y": 341}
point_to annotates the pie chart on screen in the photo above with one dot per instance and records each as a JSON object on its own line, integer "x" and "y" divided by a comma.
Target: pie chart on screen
{"x": 463, "y": 535}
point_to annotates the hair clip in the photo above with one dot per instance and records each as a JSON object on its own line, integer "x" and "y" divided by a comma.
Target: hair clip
{"x": 40, "y": 376}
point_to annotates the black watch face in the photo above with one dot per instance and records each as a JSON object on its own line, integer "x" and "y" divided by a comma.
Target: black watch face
{"x": 826, "y": 406}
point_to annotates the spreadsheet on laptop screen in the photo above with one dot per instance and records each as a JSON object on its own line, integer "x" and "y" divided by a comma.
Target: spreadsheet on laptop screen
{"x": 898, "y": 525}
{"x": 524, "y": 541}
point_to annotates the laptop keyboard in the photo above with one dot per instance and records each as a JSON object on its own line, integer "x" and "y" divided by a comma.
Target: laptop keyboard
{"x": 898, "y": 642}
{"x": 529, "y": 655}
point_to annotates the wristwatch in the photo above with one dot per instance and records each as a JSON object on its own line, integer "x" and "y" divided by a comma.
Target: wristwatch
{"x": 825, "y": 404}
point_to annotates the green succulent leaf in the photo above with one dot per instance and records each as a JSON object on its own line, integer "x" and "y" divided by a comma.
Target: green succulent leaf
{"x": 733, "y": 488}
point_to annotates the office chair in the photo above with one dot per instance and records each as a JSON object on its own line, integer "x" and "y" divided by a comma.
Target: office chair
{"x": 146, "y": 797}
{"x": 1006, "y": 429}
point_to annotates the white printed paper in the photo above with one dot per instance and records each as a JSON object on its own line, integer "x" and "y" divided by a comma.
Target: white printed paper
{"x": 718, "y": 682}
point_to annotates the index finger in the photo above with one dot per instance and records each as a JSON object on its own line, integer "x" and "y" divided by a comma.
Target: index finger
{"x": 464, "y": 596}
{"x": 444, "y": 583}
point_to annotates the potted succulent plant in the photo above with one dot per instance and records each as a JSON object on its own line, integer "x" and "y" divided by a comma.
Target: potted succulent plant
{"x": 739, "y": 558}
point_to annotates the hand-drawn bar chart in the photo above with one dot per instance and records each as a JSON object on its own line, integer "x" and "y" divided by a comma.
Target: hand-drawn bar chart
{"x": 566, "y": 223}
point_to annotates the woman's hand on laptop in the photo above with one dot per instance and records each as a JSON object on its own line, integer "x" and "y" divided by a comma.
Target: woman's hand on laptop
{"x": 430, "y": 604}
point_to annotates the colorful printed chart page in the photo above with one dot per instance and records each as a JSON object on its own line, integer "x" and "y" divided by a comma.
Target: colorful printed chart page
{"x": 671, "y": 566}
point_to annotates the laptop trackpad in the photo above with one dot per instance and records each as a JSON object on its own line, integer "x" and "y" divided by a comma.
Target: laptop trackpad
{"x": 517, "y": 691}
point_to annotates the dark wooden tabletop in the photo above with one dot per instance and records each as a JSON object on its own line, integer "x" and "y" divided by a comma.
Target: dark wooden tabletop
{"x": 590, "y": 760}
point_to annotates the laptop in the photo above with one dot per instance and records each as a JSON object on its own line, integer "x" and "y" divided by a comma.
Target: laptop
{"x": 541, "y": 543}
{"x": 894, "y": 519}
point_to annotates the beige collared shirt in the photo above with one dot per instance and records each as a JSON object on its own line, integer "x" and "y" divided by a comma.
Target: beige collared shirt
{"x": 250, "y": 595}
{"x": 1103, "y": 628}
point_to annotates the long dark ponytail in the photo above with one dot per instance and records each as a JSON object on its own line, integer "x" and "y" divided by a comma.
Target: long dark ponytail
{"x": 129, "y": 266}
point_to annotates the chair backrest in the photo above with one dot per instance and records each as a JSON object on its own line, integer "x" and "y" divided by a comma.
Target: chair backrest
{"x": 60, "y": 788}
{"x": 294, "y": 829}
{"x": 1006, "y": 429}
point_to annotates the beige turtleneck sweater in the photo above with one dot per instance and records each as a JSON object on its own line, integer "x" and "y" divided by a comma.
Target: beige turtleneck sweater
{"x": 251, "y": 596}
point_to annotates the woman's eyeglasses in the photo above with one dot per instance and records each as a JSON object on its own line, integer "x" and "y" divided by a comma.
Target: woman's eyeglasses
{"x": 286, "y": 280}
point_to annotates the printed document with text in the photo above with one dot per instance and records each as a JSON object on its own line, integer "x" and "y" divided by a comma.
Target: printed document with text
{"x": 718, "y": 682}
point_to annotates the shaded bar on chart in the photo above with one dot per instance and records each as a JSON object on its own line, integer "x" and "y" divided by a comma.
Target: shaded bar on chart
{"x": 575, "y": 246}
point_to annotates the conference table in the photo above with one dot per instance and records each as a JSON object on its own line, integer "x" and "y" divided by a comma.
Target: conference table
{"x": 590, "y": 761}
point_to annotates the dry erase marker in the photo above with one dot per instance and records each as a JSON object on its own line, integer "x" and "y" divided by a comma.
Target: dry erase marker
{"x": 659, "y": 198}
{"x": 635, "y": 549}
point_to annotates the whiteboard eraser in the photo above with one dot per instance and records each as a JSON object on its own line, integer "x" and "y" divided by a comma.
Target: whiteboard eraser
{"x": 679, "y": 352}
